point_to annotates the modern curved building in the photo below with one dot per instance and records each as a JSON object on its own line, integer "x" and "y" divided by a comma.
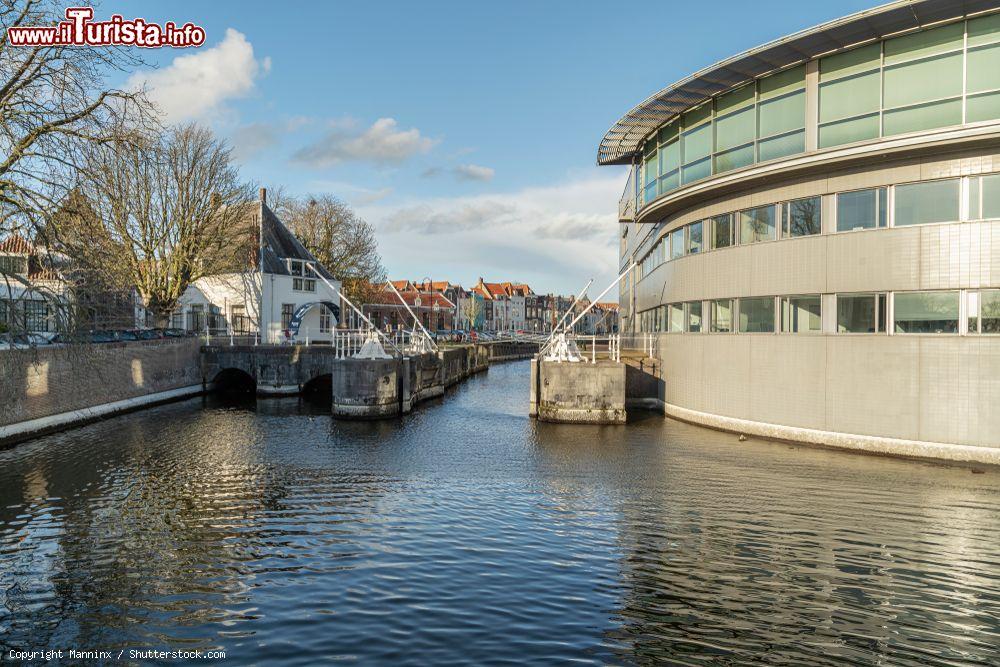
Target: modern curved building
{"x": 815, "y": 225}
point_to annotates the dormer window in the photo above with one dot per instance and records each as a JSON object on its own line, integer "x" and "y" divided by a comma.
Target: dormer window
{"x": 296, "y": 267}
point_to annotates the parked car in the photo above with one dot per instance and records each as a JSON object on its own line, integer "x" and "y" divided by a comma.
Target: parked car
{"x": 174, "y": 333}
{"x": 148, "y": 334}
{"x": 11, "y": 341}
{"x": 102, "y": 337}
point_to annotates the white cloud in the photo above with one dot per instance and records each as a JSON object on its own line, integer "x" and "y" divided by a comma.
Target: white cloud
{"x": 554, "y": 237}
{"x": 198, "y": 85}
{"x": 251, "y": 140}
{"x": 383, "y": 143}
{"x": 473, "y": 172}
{"x": 463, "y": 172}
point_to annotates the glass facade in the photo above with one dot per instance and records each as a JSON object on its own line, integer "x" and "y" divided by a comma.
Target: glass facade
{"x": 764, "y": 120}
{"x": 936, "y": 78}
{"x": 925, "y": 202}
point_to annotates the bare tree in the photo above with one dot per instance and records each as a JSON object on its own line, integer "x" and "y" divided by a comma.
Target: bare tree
{"x": 54, "y": 102}
{"x": 166, "y": 212}
{"x": 341, "y": 241}
{"x": 472, "y": 309}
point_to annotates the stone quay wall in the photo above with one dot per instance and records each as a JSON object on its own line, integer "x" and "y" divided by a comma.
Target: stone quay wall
{"x": 46, "y": 389}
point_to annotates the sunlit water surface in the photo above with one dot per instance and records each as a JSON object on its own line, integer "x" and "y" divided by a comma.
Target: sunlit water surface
{"x": 467, "y": 533}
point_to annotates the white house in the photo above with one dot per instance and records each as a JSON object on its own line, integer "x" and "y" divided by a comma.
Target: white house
{"x": 297, "y": 297}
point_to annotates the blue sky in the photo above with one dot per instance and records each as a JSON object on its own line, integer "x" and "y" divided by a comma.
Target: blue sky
{"x": 466, "y": 132}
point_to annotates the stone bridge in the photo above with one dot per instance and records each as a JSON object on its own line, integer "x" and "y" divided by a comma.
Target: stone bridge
{"x": 360, "y": 388}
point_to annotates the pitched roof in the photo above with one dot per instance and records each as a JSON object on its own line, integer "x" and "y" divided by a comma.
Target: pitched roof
{"x": 427, "y": 299}
{"x": 280, "y": 244}
{"x": 15, "y": 244}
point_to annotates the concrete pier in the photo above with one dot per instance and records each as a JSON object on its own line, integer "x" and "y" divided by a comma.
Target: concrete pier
{"x": 578, "y": 393}
{"x": 381, "y": 388}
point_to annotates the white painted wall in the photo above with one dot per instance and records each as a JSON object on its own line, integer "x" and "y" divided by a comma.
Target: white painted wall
{"x": 244, "y": 289}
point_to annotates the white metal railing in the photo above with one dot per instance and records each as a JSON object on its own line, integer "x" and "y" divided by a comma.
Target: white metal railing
{"x": 640, "y": 342}
{"x": 573, "y": 347}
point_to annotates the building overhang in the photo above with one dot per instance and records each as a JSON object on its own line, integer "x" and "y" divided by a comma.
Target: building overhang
{"x": 621, "y": 143}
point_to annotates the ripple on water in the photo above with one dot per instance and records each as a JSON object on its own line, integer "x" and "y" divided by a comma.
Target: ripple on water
{"x": 468, "y": 533}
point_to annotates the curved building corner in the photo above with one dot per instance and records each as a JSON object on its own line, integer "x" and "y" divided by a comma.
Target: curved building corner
{"x": 815, "y": 226}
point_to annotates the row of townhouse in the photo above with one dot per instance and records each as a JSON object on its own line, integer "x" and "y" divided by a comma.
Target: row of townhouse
{"x": 502, "y": 306}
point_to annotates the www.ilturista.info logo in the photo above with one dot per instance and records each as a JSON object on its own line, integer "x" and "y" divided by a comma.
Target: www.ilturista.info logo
{"x": 79, "y": 30}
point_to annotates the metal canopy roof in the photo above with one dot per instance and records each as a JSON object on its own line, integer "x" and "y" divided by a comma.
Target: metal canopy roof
{"x": 622, "y": 141}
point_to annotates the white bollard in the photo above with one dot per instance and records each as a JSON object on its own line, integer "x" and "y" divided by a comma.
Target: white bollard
{"x": 593, "y": 349}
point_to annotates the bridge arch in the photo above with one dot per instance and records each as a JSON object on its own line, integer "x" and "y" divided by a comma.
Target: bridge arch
{"x": 234, "y": 381}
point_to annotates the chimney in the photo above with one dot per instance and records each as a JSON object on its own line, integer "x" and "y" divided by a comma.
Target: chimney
{"x": 263, "y": 195}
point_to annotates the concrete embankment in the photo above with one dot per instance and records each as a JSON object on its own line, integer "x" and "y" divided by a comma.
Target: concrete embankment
{"x": 578, "y": 393}
{"x": 47, "y": 389}
{"x": 376, "y": 389}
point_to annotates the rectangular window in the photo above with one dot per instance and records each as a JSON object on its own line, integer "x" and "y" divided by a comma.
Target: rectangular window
{"x": 861, "y": 313}
{"x": 36, "y": 315}
{"x": 670, "y": 162}
{"x": 677, "y": 243}
{"x": 649, "y": 174}
{"x": 801, "y": 314}
{"x": 861, "y": 209}
{"x": 196, "y": 318}
{"x": 13, "y": 265}
{"x": 297, "y": 284}
{"x": 721, "y": 316}
{"x": 989, "y": 189}
{"x": 693, "y": 317}
{"x": 675, "y": 318}
{"x": 757, "y": 224}
{"x": 781, "y": 114}
{"x": 757, "y": 315}
{"x": 695, "y": 237}
{"x": 984, "y": 312}
{"x": 324, "y": 320}
{"x": 295, "y": 267}
{"x": 802, "y": 217}
{"x": 310, "y": 285}
{"x": 850, "y": 95}
{"x": 287, "y": 311}
{"x": 239, "y": 323}
{"x": 723, "y": 231}
{"x": 930, "y": 201}
{"x": 926, "y": 312}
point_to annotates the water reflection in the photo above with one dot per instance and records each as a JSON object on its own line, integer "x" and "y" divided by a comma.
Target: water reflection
{"x": 468, "y": 533}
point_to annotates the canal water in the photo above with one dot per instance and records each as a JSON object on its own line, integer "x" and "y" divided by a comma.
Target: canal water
{"x": 467, "y": 533}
